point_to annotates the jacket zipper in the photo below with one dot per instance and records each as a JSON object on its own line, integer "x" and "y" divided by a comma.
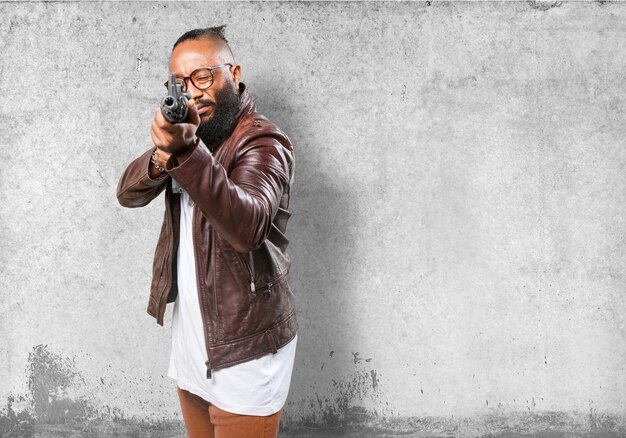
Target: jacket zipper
{"x": 249, "y": 270}
{"x": 253, "y": 287}
{"x": 269, "y": 285}
{"x": 250, "y": 276}
{"x": 208, "y": 369}
{"x": 203, "y": 310}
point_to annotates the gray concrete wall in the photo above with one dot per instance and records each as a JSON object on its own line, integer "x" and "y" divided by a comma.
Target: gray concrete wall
{"x": 458, "y": 236}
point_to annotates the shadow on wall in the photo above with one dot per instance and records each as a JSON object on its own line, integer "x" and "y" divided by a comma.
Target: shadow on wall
{"x": 327, "y": 390}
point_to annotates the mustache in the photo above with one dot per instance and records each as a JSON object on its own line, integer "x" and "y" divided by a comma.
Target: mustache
{"x": 204, "y": 102}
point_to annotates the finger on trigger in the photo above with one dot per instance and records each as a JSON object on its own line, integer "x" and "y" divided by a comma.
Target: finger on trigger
{"x": 155, "y": 136}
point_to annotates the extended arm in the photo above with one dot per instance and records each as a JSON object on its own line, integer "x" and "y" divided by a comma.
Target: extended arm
{"x": 240, "y": 206}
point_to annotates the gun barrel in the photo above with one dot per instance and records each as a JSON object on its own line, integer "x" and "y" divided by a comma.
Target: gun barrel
{"x": 174, "y": 104}
{"x": 169, "y": 101}
{"x": 172, "y": 91}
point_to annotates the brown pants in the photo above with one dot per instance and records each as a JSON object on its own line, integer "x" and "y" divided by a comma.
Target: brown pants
{"x": 204, "y": 420}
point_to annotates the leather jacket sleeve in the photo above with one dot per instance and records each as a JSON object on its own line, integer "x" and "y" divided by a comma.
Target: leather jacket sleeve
{"x": 240, "y": 205}
{"x": 136, "y": 188}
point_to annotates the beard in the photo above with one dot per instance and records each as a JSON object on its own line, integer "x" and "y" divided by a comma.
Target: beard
{"x": 222, "y": 122}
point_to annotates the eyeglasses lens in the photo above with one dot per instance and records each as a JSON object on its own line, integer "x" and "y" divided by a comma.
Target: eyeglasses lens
{"x": 202, "y": 78}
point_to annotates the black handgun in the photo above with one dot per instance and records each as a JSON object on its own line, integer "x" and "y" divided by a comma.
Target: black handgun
{"x": 174, "y": 109}
{"x": 174, "y": 104}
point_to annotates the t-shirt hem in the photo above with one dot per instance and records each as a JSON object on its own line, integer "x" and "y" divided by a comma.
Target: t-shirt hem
{"x": 259, "y": 411}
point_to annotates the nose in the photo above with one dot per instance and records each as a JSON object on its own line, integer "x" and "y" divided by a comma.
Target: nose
{"x": 191, "y": 88}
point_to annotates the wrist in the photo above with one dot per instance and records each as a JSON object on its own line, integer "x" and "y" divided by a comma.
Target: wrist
{"x": 154, "y": 164}
{"x": 182, "y": 155}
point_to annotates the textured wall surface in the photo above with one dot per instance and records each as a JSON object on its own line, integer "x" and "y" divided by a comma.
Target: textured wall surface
{"x": 459, "y": 230}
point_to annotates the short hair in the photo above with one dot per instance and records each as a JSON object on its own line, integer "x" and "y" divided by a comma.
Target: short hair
{"x": 216, "y": 33}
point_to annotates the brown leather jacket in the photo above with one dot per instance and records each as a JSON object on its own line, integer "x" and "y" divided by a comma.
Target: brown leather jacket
{"x": 241, "y": 197}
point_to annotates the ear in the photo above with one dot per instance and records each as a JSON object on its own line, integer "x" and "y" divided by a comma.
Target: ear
{"x": 235, "y": 71}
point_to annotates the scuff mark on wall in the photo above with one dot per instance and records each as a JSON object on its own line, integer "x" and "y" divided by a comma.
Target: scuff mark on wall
{"x": 139, "y": 62}
{"x": 374, "y": 379}
{"x": 345, "y": 402}
{"x": 604, "y": 423}
{"x": 52, "y": 377}
{"x": 138, "y": 65}
{"x": 356, "y": 358}
{"x": 544, "y": 5}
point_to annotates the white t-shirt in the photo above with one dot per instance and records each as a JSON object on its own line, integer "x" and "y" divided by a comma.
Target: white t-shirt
{"x": 256, "y": 387}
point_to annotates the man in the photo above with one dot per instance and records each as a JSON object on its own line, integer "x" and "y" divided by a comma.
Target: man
{"x": 221, "y": 252}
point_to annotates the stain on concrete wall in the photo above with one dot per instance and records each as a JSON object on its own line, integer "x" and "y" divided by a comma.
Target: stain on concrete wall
{"x": 544, "y": 5}
{"x": 50, "y": 382}
{"x": 343, "y": 404}
{"x": 57, "y": 404}
{"x": 16, "y": 422}
{"x": 458, "y": 231}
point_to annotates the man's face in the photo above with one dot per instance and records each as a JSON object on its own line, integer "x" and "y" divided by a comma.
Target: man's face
{"x": 217, "y": 106}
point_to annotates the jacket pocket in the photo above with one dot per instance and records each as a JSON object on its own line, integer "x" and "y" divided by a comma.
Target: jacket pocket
{"x": 245, "y": 267}
{"x": 267, "y": 287}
